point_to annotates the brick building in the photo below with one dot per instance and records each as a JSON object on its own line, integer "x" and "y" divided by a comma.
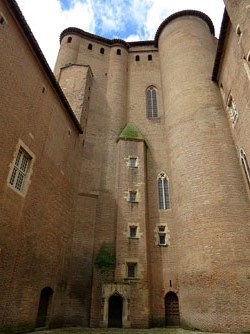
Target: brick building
{"x": 124, "y": 177}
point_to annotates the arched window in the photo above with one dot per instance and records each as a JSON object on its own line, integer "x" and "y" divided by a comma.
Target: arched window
{"x": 245, "y": 165}
{"x": 152, "y": 102}
{"x": 163, "y": 191}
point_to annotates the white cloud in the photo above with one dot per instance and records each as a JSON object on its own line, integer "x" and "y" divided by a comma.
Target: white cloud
{"x": 47, "y": 20}
{"x": 159, "y": 10}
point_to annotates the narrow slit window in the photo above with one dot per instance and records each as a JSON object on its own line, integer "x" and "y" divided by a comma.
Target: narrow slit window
{"x": 245, "y": 165}
{"x": 163, "y": 191}
{"x": 90, "y": 46}
{"x": 151, "y": 103}
{"x": 2, "y": 19}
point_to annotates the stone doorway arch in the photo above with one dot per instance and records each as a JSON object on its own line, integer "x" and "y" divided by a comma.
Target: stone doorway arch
{"x": 115, "y": 311}
{"x": 44, "y": 307}
{"x": 172, "y": 313}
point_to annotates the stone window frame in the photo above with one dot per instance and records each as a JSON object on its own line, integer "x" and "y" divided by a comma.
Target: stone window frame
{"x": 163, "y": 191}
{"x": 232, "y": 110}
{"x": 133, "y": 196}
{"x": 245, "y": 165}
{"x": 135, "y": 160}
{"x": 17, "y": 168}
{"x": 162, "y": 232}
{"x": 151, "y": 102}
{"x": 134, "y": 267}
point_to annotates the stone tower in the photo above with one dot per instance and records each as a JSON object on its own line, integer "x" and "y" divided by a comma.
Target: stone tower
{"x": 124, "y": 199}
{"x": 189, "y": 141}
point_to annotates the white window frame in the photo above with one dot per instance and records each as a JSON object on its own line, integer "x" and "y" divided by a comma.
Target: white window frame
{"x": 163, "y": 191}
{"x": 245, "y": 165}
{"x": 232, "y": 110}
{"x": 21, "y": 169}
{"x": 151, "y": 102}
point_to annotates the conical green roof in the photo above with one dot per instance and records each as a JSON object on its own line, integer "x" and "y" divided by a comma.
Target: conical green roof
{"x": 131, "y": 132}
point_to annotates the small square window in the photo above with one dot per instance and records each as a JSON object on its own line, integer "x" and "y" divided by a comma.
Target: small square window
{"x": 20, "y": 170}
{"x": 131, "y": 270}
{"x": 133, "y": 162}
{"x": 133, "y": 231}
{"x": 162, "y": 239}
{"x": 150, "y": 57}
{"x": 132, "y": 196}
{"x": 137, "y": 58}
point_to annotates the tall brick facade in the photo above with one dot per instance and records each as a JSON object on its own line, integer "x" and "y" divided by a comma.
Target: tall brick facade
{"x": 124, "y": 178}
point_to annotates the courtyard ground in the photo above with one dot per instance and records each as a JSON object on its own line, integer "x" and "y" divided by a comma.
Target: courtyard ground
{"x": 79, "y": 330}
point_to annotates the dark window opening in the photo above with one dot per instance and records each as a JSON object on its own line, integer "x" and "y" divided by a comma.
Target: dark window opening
{"x": 133, "y": 231}
{"x": 132, "y": 196}
{"x": 102, "y": 50}
{"x": 44, "y": 307}
{"x": 2, "y": 20}
{"x": 131, "y": 270}
{"x": 69, "y": 40}
{"x": 118, "y": 52}
{"x": 137, "y": 58}
{"x": 90, "y": 46}
{"x": 150, "y": 57}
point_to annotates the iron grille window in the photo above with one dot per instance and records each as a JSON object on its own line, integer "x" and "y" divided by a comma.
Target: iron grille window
{"x": 152, "y": 111}
{"x": 163, "y": 191}
{"x": 20, "y": 170}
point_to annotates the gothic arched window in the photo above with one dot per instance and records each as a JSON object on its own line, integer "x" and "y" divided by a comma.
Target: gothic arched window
{"x": 163, "y": 191}
{"x": 245, "y": 165}
{"x": 151, "y": 100}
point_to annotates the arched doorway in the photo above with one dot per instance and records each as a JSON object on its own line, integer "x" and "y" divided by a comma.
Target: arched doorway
{"x": 43, "y": 308}
{"x": 172, "y": 314}
{"x": 115, "y": 311}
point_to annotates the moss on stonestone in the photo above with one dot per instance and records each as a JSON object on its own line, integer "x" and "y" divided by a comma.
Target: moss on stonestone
{"x": 131, "y": 132}
{"x": 105, "y": 258}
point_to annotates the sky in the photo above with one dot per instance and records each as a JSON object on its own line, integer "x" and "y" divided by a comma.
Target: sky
{"x": 131, "y": 20}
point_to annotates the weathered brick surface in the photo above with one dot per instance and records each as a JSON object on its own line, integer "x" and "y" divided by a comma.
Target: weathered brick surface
{"x": 78, "y": 196}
